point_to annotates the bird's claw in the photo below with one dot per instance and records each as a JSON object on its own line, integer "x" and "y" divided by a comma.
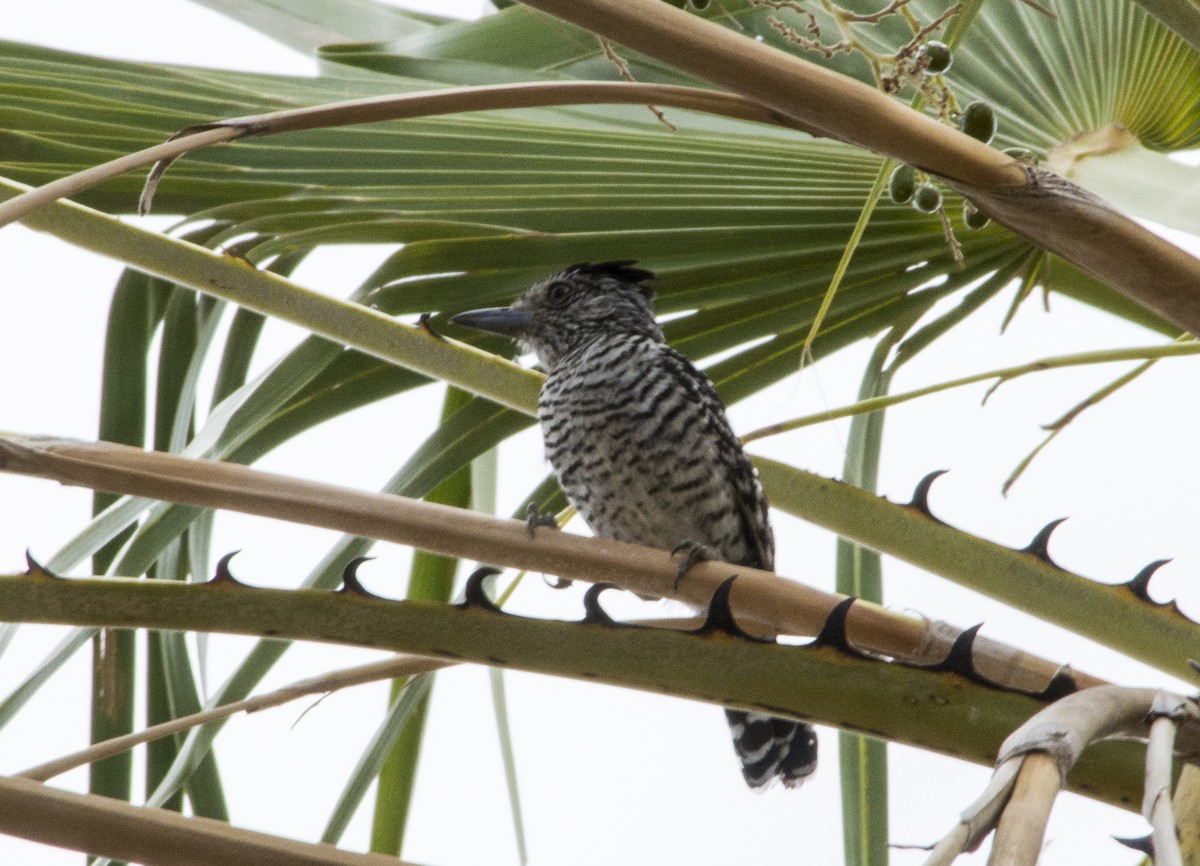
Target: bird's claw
{"x": 534, "y": 518}
{"x": 690, "y": 552}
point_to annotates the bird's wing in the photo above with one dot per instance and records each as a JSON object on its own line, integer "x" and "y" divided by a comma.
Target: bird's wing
{"x": 742, "y": 476}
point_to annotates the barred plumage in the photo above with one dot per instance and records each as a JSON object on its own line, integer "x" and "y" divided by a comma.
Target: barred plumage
{"x": 640, "y": 444}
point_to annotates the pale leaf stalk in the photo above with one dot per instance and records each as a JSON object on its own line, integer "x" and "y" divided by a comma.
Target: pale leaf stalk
{"x": 383, "y": 108}
{"x": 1047, "y": 747}
{"x": 775, "y": 605}
{"x": 1066, "y": 727}
{"x": 1022, "y": 826}
{"x": 400, "y": 666}
{"x": 1003, "y": 374}
{"x": 1157, "y": 807}
{"x": 154, "y": 837}
{"x": 822, "y": 685}
{"x": 74, "y": 184}
{"x": 1151, "y": 633}
{"x": 441, "y": 529}
{"x": 231, "y": 279}
{"x": 978, "y": 819}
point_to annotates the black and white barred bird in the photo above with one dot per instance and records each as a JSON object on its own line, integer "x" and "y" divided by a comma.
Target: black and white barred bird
{"x": 640, "y": 444}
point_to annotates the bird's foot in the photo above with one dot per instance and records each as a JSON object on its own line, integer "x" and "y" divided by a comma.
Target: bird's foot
{"x": 689, "y": 553}
{"x": 535, "y": 518}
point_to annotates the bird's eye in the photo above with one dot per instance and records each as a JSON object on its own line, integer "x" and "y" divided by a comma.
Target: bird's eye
{"x": 557, "y": 293}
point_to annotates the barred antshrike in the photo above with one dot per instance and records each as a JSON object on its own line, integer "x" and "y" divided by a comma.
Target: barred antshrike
{"x": 640, "y": 444}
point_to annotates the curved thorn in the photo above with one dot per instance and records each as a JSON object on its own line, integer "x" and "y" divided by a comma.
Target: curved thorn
{"x": 1060, "y": 685}
{"x": 424, "y": 325}
{"x": 960, "y": 660}
{"x": 920, "y": 498}
{"x": 833, "y": 631}
{"x": 1040, "y": 546}
{"x": 556, "y": 582}
{"x": 474, "y": 595}
{"x": 1140, "y": 584}
{"x": 719, "y": 617}
{"x": 36, "y": 569}
{"x": 1145, "y": 844}
{"x": 350, "y": 582}
{"x": 593, "y": 612}
{"x": 223, "y": 574}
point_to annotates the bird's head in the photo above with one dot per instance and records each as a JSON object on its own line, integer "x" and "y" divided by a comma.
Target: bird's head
{"x": 572, "y": 308}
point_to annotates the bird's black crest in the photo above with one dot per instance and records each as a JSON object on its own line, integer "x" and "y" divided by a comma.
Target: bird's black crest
{"x": 623, "y": 270}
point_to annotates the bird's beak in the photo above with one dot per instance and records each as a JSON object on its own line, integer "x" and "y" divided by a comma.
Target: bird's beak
{"x": 509, "y": 321}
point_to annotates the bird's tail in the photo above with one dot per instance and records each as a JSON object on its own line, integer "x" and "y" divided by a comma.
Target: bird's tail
{"x": 772, "y": 748}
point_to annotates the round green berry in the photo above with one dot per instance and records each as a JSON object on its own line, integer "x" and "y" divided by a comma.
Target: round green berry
{"x": 927, "y": 198}
{"x": 973, "y": 218}
{"x": 902, "y": 183}
{"x": 978, "y": 120}
{"x": 938, "y": 57}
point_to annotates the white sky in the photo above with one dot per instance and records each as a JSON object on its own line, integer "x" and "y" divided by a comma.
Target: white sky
{"x": 605, "y": 774}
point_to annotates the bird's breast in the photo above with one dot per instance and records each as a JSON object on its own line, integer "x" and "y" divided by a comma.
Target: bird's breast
{"x": 630, "y": 446}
